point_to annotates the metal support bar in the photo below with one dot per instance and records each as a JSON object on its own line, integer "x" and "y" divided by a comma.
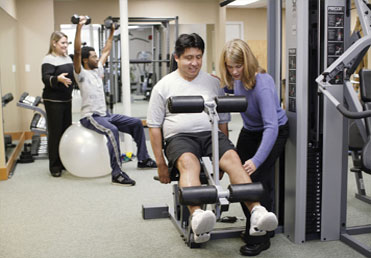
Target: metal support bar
{"x": 355, "y": 244}
{"x": 274, "y": 42}
{"x": 357, "y": 230}
{"x": 364, "y": 198}
{"x": 151, "y": 19}
{"x": 214, "y": 118}
{"x": 354, "y": 105}
{"x": 329, "y": 96}
{"x": 364, "y": 14}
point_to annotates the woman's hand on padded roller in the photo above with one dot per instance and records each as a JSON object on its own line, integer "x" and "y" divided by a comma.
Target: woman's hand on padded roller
{"x": 249, "y": 167}
{"x": 63, "y": 79}
{"x": 163, "y": 174}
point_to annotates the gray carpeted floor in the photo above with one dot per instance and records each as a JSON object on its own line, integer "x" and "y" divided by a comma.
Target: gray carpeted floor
{"x": 44, "y": 217}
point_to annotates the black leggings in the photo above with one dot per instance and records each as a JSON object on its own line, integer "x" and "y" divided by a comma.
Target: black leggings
{"x": 247, "y": 145}
{"x": 59, "y": 118}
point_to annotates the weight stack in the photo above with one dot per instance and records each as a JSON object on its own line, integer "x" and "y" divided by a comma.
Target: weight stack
{"x": 314, "y": 192}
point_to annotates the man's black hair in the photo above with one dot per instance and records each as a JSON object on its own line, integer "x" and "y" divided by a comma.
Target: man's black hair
{"x": 188, "y": 41}
{"x": 85, "y": 53}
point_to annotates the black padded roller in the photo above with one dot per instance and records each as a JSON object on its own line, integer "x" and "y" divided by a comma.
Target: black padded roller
{"x": 23, "y": 96}
{"x": 198, "y": 195}
{"x": 245, "y": 192}
{"x": 7, "y": 98}
{"x": 366, "y": 157}
{"x": 186, "y": 104}
{"x": 225, "y": 104}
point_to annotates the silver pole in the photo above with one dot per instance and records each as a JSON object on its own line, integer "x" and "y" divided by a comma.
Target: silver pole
{"x": 274, "y": 42}
{"x": 214, "y": 118}
{"x": 125, "y": 69}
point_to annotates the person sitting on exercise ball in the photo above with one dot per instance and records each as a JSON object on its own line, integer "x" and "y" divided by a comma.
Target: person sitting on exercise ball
{"x": 89, "y": 73}
{"x": 265, "y": 127}
{"x": 188, "y": 136}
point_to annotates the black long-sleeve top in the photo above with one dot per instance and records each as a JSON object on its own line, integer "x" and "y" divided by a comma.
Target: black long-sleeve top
{"x": 51, "y": 67}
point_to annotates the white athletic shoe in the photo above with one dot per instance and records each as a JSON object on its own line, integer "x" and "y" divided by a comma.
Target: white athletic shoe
{"x": 262, "y": 221}
{"x": 202, "y": 224}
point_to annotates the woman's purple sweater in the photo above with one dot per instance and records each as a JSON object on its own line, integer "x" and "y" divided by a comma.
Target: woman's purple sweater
{"x": 263, "y": 113}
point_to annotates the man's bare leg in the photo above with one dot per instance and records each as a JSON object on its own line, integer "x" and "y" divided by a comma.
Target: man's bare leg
{"x": 261, "y": 219}
{"x": 189, "y": 168}
{"x": 202, "y": 221}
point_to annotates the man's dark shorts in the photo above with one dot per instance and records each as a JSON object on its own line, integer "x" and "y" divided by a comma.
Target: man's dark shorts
{"x": 199, "y": 144}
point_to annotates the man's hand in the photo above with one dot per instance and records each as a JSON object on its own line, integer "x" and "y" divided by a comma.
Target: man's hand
{"x": 63, "y": 79}
{"x": 82, "y": 20}
{"x": 249, "y": 167}
{"x": 163, "y": 174}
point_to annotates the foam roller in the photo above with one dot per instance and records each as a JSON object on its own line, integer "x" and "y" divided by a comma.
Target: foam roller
{"x": 198, "y": 195}
{"x": 245, "y": 192}
{"x": 186, "y": 104}
{"x": 225, "y": 104}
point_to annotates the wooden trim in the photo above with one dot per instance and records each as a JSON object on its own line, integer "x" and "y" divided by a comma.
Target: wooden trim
{"x": 21, "y": 137}
{"x": 18, "y": 135}
{"x": 3, "y": 174}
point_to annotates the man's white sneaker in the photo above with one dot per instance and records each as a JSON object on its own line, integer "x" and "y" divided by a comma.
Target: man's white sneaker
{"x": 262, "y": 221}
{"x": 202, "y": 224}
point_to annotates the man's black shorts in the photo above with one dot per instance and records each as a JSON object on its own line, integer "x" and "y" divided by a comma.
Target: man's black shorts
{"x": 199, "y": 144}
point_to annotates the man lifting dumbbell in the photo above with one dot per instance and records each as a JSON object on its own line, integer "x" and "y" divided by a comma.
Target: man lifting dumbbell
{"x": 188, "y": 137}
{"x": 89, "y": 73}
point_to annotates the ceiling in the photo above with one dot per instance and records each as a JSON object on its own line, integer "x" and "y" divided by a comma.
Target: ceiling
{"x": 259, "y": 4}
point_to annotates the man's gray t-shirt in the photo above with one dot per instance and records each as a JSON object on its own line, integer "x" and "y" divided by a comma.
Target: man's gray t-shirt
{"x": 92, "y": 93}
{"x": 173, "y": 84}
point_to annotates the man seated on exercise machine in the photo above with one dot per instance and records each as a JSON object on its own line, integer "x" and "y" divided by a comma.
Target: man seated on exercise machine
{"x": 188, "y": 136}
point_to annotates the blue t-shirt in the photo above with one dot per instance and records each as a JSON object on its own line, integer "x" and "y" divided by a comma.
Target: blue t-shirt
{"x": 263, "y": 113}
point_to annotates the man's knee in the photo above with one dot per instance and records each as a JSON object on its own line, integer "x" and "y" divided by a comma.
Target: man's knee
{"x": 188, "y": 161}
{"x": 231, "y": 164}
{"x": 230, "y": 156}
{"x": 112, "y": 129}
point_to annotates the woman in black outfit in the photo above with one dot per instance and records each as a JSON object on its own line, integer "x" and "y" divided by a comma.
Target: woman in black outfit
{"x": 58, "y": 79}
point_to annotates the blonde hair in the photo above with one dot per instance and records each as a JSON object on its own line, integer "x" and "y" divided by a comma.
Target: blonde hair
{"x": 237, "y": 51}
{"x": 54, "y": 38}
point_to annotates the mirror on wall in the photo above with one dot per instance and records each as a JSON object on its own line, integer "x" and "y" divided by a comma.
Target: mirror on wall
{"x": 8, "y": 82}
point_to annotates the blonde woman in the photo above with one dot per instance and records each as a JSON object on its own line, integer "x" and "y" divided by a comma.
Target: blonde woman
{"x": 265, "y": 126}
{"x": 57, "y": 76}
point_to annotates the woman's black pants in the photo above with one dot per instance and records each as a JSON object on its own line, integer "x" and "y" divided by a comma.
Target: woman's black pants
{"x": 247, "y": 145}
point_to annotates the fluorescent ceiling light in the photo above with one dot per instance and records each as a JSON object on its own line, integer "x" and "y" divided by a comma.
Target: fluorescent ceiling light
{"x": 242, "y": 2}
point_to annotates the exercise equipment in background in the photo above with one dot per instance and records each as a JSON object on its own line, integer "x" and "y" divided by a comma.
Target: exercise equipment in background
{"x": 359, "y": 146}
{"x": 341, "y": 101}
{"x": 8, "y": 142}
{"x": 39, "y": 145}
{"x": 84, "y": 152}
{"x": 149, "y": 43}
